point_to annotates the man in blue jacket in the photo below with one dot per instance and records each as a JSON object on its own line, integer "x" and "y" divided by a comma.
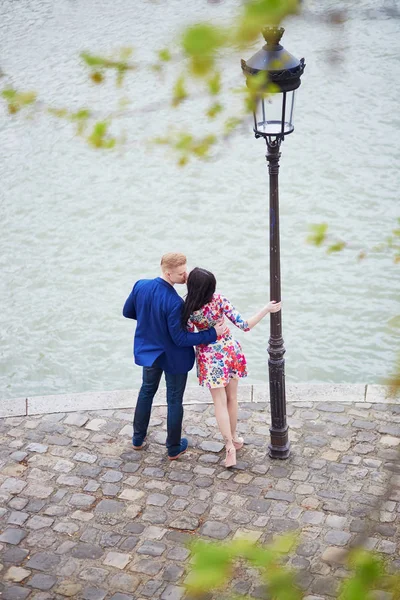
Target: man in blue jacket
{"x": 162, "y": 345}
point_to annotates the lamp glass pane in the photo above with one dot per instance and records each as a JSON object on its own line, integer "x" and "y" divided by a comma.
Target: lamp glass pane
{"x": 269, "y": 114}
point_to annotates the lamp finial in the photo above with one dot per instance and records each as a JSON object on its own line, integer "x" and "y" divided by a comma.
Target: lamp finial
{"x": 273, "y": 35}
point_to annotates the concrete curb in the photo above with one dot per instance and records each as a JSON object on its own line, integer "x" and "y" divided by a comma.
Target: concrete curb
{"x": 122, "y": 399}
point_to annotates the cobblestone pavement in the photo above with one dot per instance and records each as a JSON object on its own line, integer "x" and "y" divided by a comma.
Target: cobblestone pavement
{"x": 84, "y": 516}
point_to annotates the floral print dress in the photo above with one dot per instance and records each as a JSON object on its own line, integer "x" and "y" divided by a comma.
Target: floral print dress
{"x": 223, "y": 360}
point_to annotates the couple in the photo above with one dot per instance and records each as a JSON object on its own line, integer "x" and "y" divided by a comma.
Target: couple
{"x": 164, "y": 341}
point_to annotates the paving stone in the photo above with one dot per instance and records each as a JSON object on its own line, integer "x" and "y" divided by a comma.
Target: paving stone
{"x": 117, "y": 560}
{"x": 215, "y": 529}
{"x": 12, "y": 485}
{"x": 85, "y": 457}
{"x": 178, "y": 553}
{"x": 153, "y": 532}
{"x": 157, "y": 499}
{"x": 12, "y": 555}
{"x": 76, "y": 419}
{"x": 110, "y": 489}
{"x": 276, "y": 495}
{"x": 70, "y": 480}
{"x": 40, "y": 448}
{"x": 153, "y": 472}
{"x": 41, "y": 581}
{"x": 209, "y": 446}
{"x": 18, "y": 503}
{"x": 88, "y": 551}
{"x": 129, "y": 543}
{"x": 43, "y": 561}
{"x": 181, "y": 490}
{"x": 130, "y": 467}
{"x": 259, "y": 505}
{"x": 94, "y": 574}
{"x": 109, "y": 539}
{"x": 151, "y": 548}
{"x": 86, "y": 470}
{"x": 17, "y": 518}
{"x": 337, "y": 538}
{"x": 93, "y": 593}
{"x": 84, "y": 500}
{"x": 312, "y": 517}
{"x": 185, "y": 522}
{"x": 38, "y": 522}
{"x": 109, "y": 506}
{"x": 38, "y": 490}
{"x": 147, "y": 566}
{"x": 335, "y": 521}
{"x": 16, "y": 574}
{"x": 173, "y": 592}
{"x": 15, "y": 592}
{"x": 386, "y": 547}
{"x": 111, "y": 476}
{"x": 124, "y": 582}
{"x": 13, "y": 536}
{"x": 150, "y": 588}
{"x": 180, "y": 476}
{"x": 363, "y": 448}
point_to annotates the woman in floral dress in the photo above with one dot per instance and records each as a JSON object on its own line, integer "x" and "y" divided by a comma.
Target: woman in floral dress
{"x": 222, "y": 363}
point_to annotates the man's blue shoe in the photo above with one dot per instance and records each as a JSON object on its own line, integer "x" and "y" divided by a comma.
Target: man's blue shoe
{"x": 182, "y": 449}
{"x": 138, "y": 444}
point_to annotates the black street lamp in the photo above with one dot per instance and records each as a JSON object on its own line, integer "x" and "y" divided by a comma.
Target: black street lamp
{"x": 276, "y": 75}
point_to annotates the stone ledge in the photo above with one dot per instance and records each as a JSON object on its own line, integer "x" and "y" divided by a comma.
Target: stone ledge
{"x": 315, "y": 392}
{"x": 126, "y": 399}
{"x": 379, "y": 394}
{"x": 16, "y": 407}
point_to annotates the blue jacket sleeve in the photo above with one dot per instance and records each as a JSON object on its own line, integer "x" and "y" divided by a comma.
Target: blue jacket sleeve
{"x": 184, "y": 338}
{"x": 129, "y": 310}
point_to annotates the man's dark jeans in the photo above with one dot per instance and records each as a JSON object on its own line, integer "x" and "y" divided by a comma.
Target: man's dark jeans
{"x": 175, "y": 388}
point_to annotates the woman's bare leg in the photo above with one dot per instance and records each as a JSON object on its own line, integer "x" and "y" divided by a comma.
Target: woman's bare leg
{"x": 221, "y": 414}
{"x": 231, "y": 395}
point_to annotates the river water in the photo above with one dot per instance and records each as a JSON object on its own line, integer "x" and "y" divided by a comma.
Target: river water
{"x": 79, "y": 226}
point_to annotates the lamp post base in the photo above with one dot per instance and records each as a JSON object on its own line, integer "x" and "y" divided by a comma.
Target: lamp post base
{"x": 280, "y": 445}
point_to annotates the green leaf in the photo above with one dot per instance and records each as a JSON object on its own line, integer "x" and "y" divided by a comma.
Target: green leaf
{"x": 9, "y": 94}
{"x": 231, "y": 124}
{"x": 214, "y": 84}
{"x": 202, "y": 39}
{"x": 164, "y": 55}
{"x": 83, "y": 113}
{"x": 179, "y": 93}
{"x": 318, "y": 234}
{"x": 259, "y": 13}
{"x": 214, "y": 110}
{"x": 336, "y": 247}
{"x": 58, "y": 112}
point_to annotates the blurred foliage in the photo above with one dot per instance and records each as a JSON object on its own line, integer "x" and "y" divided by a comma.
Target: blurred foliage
{"x": 391, "y": 244}
{"x": 214, "y": 566}
{"x": 17, "y": 100}
{"x": 99, "y": 65}
{"x": 318, "y": 236}
{"x": 186, "y": 145}
{"x": 200, "y": 48}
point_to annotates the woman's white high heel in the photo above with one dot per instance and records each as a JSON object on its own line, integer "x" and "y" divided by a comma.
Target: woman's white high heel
{"x": 230, "y": 458}
{"x": 238, "y": 443}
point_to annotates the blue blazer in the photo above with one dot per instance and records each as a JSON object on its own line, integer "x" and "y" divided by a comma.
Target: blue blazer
{"x": 157, "y": 307}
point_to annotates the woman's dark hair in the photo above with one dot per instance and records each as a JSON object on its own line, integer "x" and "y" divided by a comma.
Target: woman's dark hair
{"x": 201, "y": 286}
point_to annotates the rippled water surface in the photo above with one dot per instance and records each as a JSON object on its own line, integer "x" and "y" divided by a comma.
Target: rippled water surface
{"x": 79, "y": 226}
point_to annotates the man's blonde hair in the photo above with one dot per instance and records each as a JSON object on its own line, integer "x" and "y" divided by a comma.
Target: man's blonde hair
{"x": 172, "y": 260}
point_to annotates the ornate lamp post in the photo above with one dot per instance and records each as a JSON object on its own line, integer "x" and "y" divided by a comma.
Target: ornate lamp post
{"x": 273, "y": 120}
